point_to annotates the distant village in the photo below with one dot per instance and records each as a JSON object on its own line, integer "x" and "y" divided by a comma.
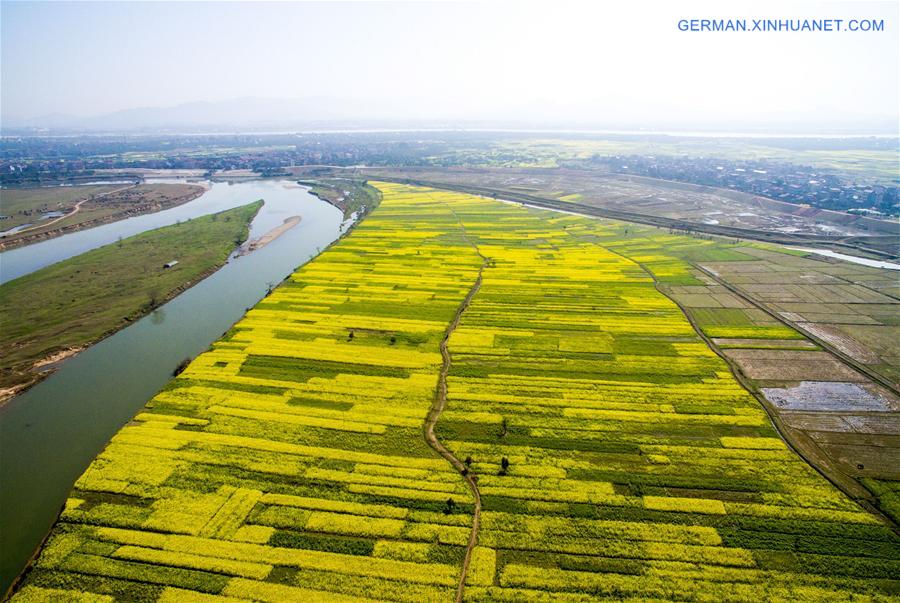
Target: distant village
{"x": 776, "y": 180}
{"x": 27, "y": 161}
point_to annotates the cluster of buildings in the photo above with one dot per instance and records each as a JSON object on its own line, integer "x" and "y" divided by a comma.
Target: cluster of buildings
{"x": 25, "y": 160}
{"x": 776, "y": 180}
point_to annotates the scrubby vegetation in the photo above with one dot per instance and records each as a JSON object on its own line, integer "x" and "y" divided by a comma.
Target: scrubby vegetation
{"x": 351, "y": 195}
{"x": 615, "y": 454}
{"x": 72, "y": 303}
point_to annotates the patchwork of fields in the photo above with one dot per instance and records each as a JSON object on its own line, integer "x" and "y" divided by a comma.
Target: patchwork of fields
{"x": 616, "y": 455}
{"x": 839, "y": 406}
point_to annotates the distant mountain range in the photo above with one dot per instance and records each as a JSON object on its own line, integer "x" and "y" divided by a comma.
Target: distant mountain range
{"x": 316, "y": 113}
{"x": 252, "y": 113}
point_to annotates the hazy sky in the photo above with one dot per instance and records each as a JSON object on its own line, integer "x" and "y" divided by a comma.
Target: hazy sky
{"x": 610, "y": 62}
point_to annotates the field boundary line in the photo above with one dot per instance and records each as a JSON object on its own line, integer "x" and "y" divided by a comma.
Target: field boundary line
{"x": 828, "y": 347}
{"x": 440, "y": 403}
{"x": 728, "y": 232}
{"x": 795, "y": 440}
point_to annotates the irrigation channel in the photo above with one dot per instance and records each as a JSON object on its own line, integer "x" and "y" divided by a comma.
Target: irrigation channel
{"x": 50, "y": 433}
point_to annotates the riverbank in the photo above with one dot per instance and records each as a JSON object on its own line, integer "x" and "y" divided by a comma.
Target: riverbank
{"x": 102, "y": 208}
{"x": 50, "y": 433}
{"x": 55, "y": 312}
{"x": 270, "y": 236}
{"x": 350, "y": 195}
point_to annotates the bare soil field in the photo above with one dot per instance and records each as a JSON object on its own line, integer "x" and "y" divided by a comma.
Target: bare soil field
{"x": 863, "y": 456}
{"x": 832, "y": 395}
{"x": 705, "y": 207}
{"x": 848, "y": 307}
{"x": 789, "y": 365}
{"x": 855, "y": 349}
{"x": 731, "y": 342}
{"x": 85, "y": 207}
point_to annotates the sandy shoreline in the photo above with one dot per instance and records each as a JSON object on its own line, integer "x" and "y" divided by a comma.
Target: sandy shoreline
{"x": 270, "y": 236}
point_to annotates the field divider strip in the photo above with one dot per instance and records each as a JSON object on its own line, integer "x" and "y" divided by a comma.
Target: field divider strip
{"x": 440, "y": 403}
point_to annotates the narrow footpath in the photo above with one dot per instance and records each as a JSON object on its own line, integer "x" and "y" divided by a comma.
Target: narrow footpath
{"x": 437, "y": 407}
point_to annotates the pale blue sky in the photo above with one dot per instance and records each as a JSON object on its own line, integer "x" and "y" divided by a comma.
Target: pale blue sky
{"x": 609, "y": 61}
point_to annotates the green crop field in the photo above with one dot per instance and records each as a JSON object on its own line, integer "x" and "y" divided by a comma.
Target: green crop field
{"x": 615, "y": 455}
{"x": 72, "y": 303}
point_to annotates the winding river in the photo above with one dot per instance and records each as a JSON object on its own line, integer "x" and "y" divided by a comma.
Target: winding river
{"x": 221, "y": 196}
{"x": 49, "y": 434}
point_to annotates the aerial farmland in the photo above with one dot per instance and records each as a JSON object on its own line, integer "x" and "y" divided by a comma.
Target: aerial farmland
{"x": 588, "y": 440}
{"x": 449, "y": 302}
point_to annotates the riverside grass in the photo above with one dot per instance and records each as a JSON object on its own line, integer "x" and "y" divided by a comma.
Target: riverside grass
{"x": 288, "y": 463}
{"x": 75, "y": 302}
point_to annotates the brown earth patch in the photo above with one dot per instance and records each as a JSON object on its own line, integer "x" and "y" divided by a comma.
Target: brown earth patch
{"x": 842, "y": 342}
{"x": 791, "y": 365}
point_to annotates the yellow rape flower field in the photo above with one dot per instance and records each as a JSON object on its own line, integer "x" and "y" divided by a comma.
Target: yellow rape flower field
{"x": 616, "y": 456}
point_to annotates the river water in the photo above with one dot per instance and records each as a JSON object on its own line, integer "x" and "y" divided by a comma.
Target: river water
{"x": 49, "y": 434}
{"x": 223, "y": 195}
{"x": 851, "y": 258}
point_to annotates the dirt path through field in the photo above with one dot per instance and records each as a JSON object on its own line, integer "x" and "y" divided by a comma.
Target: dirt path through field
{"x": 437, "y": 407}
{"x": 76, "y": 209}
{"x": 813, "y": 335}
{"x": 797, "y": 440}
